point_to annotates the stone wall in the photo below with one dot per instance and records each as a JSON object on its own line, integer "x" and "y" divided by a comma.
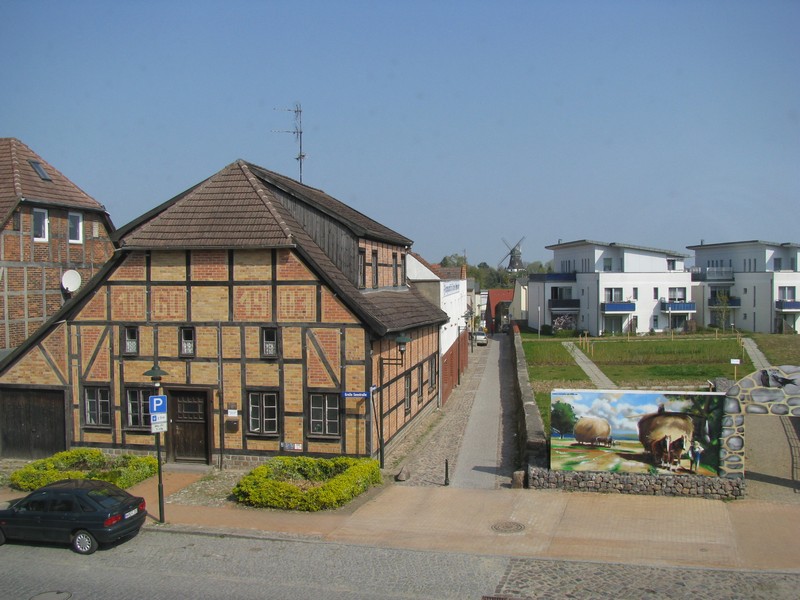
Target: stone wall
{"x": 716, "y": 488}
{"x": 534, "y": 445}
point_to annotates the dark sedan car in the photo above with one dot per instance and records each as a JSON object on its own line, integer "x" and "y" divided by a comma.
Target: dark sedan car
{"x": 79, "y": 512}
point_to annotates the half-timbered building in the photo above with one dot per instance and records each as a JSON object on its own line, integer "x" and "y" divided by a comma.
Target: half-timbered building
{"x": 50, "y": 227}
{"x": 274, "y": 318}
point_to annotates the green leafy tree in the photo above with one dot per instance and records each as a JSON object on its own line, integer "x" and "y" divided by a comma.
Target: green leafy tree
{"x": 562, "y": 418}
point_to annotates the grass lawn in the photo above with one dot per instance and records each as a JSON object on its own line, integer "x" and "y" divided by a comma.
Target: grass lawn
{"x": 685, "y": 361}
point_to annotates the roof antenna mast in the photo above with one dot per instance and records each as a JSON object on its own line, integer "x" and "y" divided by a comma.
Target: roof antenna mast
{"x": 297, "y": 131}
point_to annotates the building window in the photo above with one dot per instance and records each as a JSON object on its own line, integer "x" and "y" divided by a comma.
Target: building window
{"x": 374, "y": 268}
{"x": 395, "y": 268}
{"x": 138, "y": 406}
{"x": 613, "y": 294}
{"x": 187, "y": 341}
{"x": 777, "y": 264}
{"x": 420, "y": 383}
{"x": 636, "y": 293}
{"x": 607, "y": 264}
{"x": 362, "y": 268}
{"x": 75, "y": 228}
{"x": 432, "y": 374}
{"x": 262, "y": 410}
{"x": 671, "y": 264}
{"x": 655, "y": 293}
{"x": 677, "y": 294}
{"x": 269, "y": 342}
{"x": 324, "y": 414}
{"x": 407, "y": 391}
{"x": 786, "y": 293}
{"x": 655, "y": 323}
{"x": 97, "y": 406}
{"x": 130, "y": 342}
{"x": 40, "y": 225}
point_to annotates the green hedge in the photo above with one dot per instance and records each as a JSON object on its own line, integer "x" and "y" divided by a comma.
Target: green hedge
{"x": 84, "y": 463}
{"x": 308, "y": 484}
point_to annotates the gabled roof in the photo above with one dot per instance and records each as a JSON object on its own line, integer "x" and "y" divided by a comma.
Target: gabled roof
{"x": 240, "y": 207}
{"x": 20, "y": 182}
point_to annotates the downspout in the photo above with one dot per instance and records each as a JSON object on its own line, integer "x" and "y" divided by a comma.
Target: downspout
{"x": 221, "y": 396}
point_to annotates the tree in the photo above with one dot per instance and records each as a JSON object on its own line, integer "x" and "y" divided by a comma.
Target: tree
{"x": 562, "y": 418}
{"x": 453, "y": 260}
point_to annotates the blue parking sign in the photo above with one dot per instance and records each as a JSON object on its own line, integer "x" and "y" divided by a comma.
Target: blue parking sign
{"x": 158, "y": 404}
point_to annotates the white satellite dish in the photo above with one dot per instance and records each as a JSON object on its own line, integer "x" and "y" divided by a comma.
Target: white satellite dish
{"x": 71, "y": 281}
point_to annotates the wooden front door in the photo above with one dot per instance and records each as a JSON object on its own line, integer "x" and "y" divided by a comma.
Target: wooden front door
{"x": 189, "y": 426}
{"x": 33, "y": 423}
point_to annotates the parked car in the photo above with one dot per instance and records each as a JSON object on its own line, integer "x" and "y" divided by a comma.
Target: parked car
{"x": 481, "y": 339}
{"x": 81, "y": 512}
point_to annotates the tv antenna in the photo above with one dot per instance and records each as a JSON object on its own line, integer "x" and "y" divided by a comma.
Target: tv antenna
{"x": 297, "y": 131}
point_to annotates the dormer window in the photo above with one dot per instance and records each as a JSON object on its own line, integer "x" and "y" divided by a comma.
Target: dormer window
{"x": 37, "y": 166}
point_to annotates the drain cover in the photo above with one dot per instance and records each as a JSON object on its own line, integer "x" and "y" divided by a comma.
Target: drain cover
{"x": 508, "y": 527}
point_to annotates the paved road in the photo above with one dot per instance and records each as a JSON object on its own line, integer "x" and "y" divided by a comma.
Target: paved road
{"x": 162, "y": 564}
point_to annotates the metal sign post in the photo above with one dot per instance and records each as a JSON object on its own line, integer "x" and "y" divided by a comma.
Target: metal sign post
{"x": 158, "y": 423}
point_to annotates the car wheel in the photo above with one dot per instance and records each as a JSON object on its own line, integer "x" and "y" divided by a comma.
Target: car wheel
{"x": 83, "y": 542}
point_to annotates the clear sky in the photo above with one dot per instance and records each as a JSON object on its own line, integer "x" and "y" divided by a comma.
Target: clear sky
{"x": 456, "y": 123}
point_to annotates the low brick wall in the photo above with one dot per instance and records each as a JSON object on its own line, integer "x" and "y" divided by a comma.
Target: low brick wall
{"x": 697, "y": 486}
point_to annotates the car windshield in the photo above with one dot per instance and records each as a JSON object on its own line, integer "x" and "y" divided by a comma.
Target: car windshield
{"x": 108, "y": 497}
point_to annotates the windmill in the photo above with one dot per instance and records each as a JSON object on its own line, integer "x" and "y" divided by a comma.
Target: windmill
{"x": 515, "y": 254}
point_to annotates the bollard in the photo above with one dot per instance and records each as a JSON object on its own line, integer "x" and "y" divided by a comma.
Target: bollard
{"x": 446, "y": 472}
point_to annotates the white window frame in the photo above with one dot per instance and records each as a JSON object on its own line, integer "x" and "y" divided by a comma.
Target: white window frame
{"x": 263, "y": 413}
{"x": 97, "y": 407}
{"x": 78, "y": 219}
{"x": 44, "y": 228}
{"x": 325, "y": 415}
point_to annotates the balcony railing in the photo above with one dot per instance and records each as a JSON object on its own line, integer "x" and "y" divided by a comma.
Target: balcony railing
{"x": 711, "y": 273}
{"x": 787, "y": 305}
{"x": 558, "y": 304}
{"x": 618, "y": 307}
{"x": 678, "y": 307}
{"x": 730, "y": 302}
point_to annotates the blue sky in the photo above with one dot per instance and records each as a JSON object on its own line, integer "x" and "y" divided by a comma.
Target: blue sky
{"x": 456, "y": 123}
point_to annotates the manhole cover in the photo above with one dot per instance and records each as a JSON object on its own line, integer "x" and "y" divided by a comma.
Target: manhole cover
{"x": 508, "y": 527}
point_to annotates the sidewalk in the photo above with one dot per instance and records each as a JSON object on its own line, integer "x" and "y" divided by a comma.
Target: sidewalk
{"x": 641, "y": 530}
{"x": 546, "y": 524}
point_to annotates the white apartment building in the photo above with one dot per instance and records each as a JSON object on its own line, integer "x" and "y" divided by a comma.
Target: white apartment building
{"x": 611, "y": 288}
{"x": 751, "y": 285}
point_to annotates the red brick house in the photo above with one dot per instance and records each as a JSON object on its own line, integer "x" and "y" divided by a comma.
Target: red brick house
{"x": 280, "y": 317}
{"x": 49, "y": 227}
{"x": 497, "y": 304}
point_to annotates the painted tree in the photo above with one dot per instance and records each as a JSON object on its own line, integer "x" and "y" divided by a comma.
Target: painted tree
{"x": 562, "y": 418}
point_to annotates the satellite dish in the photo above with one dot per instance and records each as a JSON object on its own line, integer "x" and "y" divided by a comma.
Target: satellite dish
{"x": 71, "y": 281}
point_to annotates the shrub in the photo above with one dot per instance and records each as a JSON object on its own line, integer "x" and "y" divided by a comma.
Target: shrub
{"x": 84, "y": 463}
{"x": 308, "y": 484}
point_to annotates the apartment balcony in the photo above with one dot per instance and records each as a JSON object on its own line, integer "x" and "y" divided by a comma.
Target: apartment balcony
{"x": 712, "y": 273}
{"x": 557, "y": 305}
{"x": 678, "y": 307}
{"x": 791, "y": 306}
{"x": 618, "y": 307}
{"x": 731, "y": 302}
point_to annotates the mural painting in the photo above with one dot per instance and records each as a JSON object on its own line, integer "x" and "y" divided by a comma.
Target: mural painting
{"x": 632, "y": 431}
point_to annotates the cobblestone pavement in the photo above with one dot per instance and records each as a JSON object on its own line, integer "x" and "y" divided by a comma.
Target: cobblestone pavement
{"x": 536, "y": 578}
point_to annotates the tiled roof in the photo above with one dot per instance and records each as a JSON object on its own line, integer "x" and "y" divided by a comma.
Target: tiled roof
{"x": 19, "y": 181}
{"x": 239, "y": 208}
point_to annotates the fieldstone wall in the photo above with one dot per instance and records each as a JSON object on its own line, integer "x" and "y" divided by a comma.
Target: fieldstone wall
{"x": 772, "y": 391}
{"x": 696, "y": 486}
{"x": 534, "y": 445}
